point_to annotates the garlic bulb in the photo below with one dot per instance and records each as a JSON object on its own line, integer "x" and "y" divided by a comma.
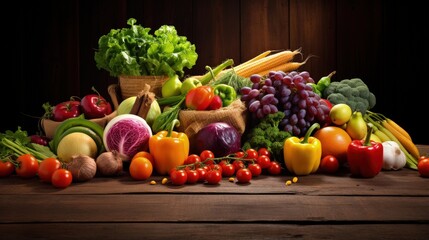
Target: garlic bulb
{"x": 393, "y": 157}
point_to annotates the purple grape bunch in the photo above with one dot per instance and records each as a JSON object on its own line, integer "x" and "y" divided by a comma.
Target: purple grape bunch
{"x": 289, "y": 93}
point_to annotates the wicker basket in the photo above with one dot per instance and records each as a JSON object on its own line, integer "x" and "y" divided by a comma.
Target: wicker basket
{"x": 132, "y": 85}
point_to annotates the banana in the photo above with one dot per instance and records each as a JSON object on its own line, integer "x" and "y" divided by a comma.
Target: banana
{"x": 72, "y": 122}
{"x": 97, "y": 139}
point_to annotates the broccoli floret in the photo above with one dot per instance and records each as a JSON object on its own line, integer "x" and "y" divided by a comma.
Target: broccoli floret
{"x": 267, "y": 134}
{"x": 353, "y": 92}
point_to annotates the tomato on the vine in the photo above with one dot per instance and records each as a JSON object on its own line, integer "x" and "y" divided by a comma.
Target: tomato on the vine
{"x": 329, "y": 164}
{"x": 228, "y": 170}
{"x": 28, "y": 166}
{"x": 213, "y": 176}
{"x": 6, "y": 168}
{"x": 423, "y": 167}
{"x": 239, "y": 154}
{"x": 62, "y": 178}
{"x": 264, "y": 161}
{"x": 243, "y": 175}
{"x": 255, "y": 169}
{"x": 191, "y": 159}
{"x": 201, "y": 174}
{"x": 178, "y": 177}
{"x": 47, "y": 167}
{"x": 238, "y": 164}
{"x": 251, "y": 153}
{"x": 264, "y": 151}
{"x": 192, "y": 176}
{"x": 207, "y": 154}
{"x": 275, "y": 168}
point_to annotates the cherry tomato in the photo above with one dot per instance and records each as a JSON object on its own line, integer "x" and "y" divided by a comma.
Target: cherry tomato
{"x": 213, "y": 177}
{"x": 62, "y": 178}
{"x": 178, "y": 177}
{"x": 6, "y": 168}
{"x": 423, "y": 167}
{"x": 275, "y": 168}
{"x": 244, "y": 175}
{"x": 239, "y": 154}
{"x": 329, "y": 164}
{"x": 264, "y": 151}
{"x": 28, "y": 166}
{"x": 228, "y": 170}
{"x": 192, "y": 176}
{"x": 47, "y": 167}
{"x": 238, "y": 164}
{"x": 207, "y": 154}
{"x": 264, "y": 161}
{"x": 202, "y": 174}
{"x": 191, "y": 159}
{"x": 251, "y": 153}
{"x": 140, "y": 168}
{"x": 423, "y": 157}
{"x": 255, "y": 169}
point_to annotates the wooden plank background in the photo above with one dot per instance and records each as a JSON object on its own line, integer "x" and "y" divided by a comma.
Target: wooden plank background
{"x": 50, "y": 46}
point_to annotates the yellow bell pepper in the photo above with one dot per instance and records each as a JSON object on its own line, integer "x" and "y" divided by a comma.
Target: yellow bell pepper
{"x": 302, "y": 156}
{"x": 169, "y": 149}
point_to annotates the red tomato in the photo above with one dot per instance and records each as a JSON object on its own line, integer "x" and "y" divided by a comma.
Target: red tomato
{"x": 255, "y": 169}
{"x": 201, "y": 174}
{"x": 95, "y": 106}
{"x": 192, "y": 176}
{"x": 140, "y": 168}
{"x": 244, "y": 175}
{"x": 264, "y": 161}
{"x": 228, "y": 170}
{"x": 275, "y": 168}
{"x": 65, "y": 110}
{"x": 47, "y": 167}
{"x": 191, "y": 159}
{"x": 178, "y": 177}
{"x": 422, "y": 157}
{"x": 423, "y": 167}
{"x": 329, "y": 164}
{"x": 207, "y": 154}
{"x": 264, "y": 151}
{"x": 6, "y": 168}
{"x": 239, "y": 154}
{"x": 213, "y": 177}
{"x": 199, "y": 98}
{"x": 62, "y": 178}
{"x": 28, "y": 166}
{"x": 252, "y": 154}
{"x": 238, "y": 164}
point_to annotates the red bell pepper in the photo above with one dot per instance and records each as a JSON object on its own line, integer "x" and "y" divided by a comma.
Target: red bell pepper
{"x": 365, "y": 157}
{"x": 199, "y": 98}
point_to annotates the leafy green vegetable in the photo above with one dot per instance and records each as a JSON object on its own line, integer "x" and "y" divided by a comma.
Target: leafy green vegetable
{"x": 14, "y": 144}
{"x": 135, "y": 51}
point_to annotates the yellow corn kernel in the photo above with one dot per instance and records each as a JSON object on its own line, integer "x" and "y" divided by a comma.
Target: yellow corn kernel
{"x": 288, "y": 182}
{"x": 164, "y": 181}
{"x": 231, "y": 179}
{"x": 152, "y": 182}
{"x": 294, "y": 179}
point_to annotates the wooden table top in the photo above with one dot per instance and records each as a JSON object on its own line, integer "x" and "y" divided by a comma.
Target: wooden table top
{"x": 392, "y": 205}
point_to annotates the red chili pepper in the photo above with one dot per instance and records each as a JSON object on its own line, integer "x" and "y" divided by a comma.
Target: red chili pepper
{"x": 365, "y": 157}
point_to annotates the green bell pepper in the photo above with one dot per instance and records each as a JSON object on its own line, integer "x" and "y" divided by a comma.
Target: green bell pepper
{"x": 226, "y": 93}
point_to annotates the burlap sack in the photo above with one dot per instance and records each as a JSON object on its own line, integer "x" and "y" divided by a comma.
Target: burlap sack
{"x": 191, "y": 121}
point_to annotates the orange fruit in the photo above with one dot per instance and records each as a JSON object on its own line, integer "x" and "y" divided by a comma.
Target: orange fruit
{"x": 145, "y": 154}
{"x": 335, "y": 141}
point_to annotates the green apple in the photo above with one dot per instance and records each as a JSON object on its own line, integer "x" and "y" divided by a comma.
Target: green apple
{"x": 189, "y": 83}
{"x": 171, "y": 87}
{"x": 340, "y": 114}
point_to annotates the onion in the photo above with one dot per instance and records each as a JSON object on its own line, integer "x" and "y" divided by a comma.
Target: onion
{"x": 76, "y": 143}
{"x": 83, "y": 168}
{"x": 109, "y": 163}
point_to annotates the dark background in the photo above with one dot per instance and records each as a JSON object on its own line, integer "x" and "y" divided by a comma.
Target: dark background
{"x": 49, "y": 46}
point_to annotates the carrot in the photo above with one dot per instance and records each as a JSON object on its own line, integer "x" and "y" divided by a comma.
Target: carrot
{"x": 407, "y": 143}
{"x": 265, "y": 63}
{"x": 398, "y": 128}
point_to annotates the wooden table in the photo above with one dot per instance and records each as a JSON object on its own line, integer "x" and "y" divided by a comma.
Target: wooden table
{"x": 392, "y": 205}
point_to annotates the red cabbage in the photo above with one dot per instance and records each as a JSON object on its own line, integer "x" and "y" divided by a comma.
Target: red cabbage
{"x": 220, "y": 137}
{"x": 127, "y": 134}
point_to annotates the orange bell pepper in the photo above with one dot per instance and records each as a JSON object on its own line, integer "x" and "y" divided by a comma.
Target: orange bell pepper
{"x": 169, "y": 149}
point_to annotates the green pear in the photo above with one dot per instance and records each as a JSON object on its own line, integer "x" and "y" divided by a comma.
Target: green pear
{"x": 171, "y": 87}
{"x": 356, "y": 126}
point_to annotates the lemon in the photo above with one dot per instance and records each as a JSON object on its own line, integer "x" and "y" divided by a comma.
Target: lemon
{"x": 340, "y": 114}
